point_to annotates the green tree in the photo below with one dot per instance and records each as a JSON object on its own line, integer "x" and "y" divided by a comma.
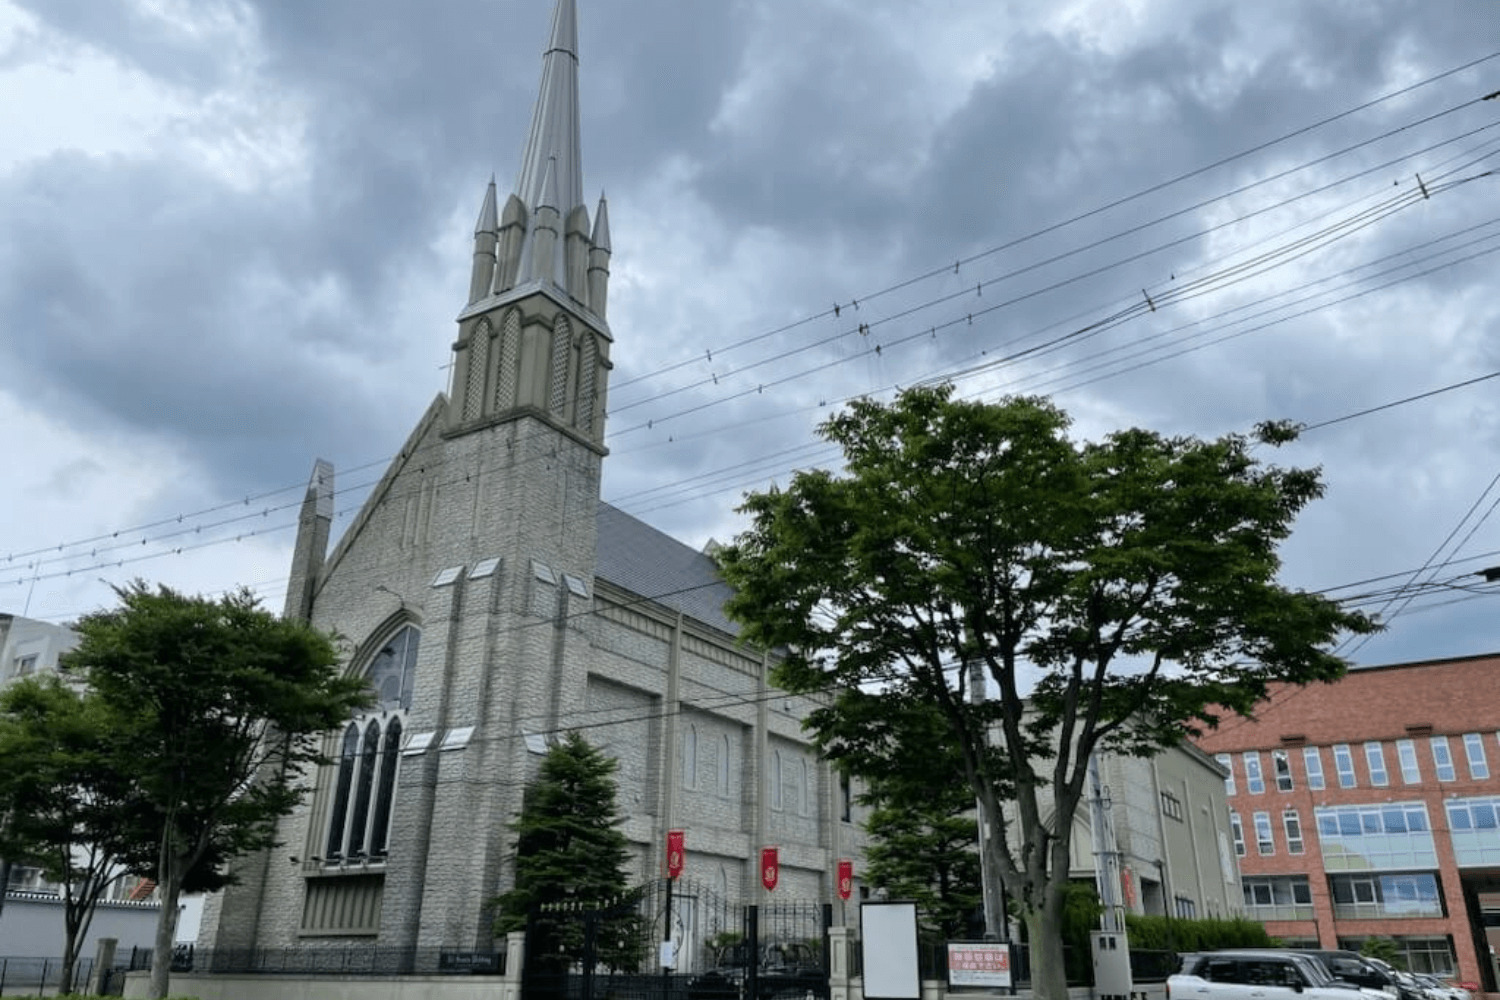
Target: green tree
{"x": 62, "y": 791}
{"x": 218, "y": 705}
{"x": 1116, "y": 595}
{"x": 925, "y": 851}
{"x": 570, "y": 856}
{"x": 923, "y": 829}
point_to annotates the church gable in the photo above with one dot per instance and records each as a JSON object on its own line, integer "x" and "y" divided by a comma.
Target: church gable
{"x": 401, "y": 490}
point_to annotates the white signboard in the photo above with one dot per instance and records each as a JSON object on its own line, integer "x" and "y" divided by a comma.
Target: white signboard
{"x": 983, "y": 964}
{"x": 888, "y": 942}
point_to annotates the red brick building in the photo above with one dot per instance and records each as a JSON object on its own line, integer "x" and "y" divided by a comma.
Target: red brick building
{"x": 1371, "y": 807}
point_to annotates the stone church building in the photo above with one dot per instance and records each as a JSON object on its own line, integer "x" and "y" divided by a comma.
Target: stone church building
{"x": 494, "y": 601}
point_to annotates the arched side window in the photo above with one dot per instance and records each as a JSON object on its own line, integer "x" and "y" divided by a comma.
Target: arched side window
{"x": 724, "y": 766}
{"x": 365, "y": 788}
{"x": 776, "y": 801}
{"x": 393, "y": 670}
{"x": 369, "y": 753}
{"x": 690, "y": 757}
{"x": 336, "y": 826}
{"x": 390, "y": 755}
{"x": 804, "y": 790}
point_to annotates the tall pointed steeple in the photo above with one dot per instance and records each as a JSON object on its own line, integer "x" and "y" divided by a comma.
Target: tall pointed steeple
{"x": 534, "y": 247}
{"x": 554, "y": 120}
{"x": 533, "y": 341}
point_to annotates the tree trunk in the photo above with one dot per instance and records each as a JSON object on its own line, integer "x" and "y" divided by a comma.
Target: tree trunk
{"x": 166, "y": 928}
{"x": 69, "y": 960}
{"x": 1049, "y": 972}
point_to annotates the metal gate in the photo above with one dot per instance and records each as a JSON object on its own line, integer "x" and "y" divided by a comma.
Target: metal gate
{"x": 677, "y": 940}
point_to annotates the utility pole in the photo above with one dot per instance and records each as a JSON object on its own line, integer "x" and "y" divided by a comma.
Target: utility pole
{"x": 996, "y": 921}
{"x": 1111, "y": 950}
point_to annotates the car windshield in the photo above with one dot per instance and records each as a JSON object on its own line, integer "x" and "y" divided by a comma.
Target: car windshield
{"x": 1315, "y": 973}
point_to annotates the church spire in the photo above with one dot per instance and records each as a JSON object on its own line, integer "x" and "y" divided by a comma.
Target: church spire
{"x": 533, "y": 341}
{"x": 544, "y": 234}
{"x": 554, "y": 120}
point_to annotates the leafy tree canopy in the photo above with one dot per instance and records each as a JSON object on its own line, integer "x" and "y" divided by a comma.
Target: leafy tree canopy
{"x": 218, "y": 704}
{"x": 63, "y": 788}
{"x": 1113, "y": 595}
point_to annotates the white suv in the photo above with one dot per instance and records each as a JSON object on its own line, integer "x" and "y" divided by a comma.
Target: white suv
{"x": 1261, "y": 975}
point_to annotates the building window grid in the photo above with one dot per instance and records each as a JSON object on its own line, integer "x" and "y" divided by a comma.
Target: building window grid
{"x": 1343, "y": 763}
{"x": 1394, "y": 835}
{"x": 1473, "y": 814}
{"x": 1406, "y": 754}
{"x": 1171, "y": 806}
{"x": 1291, "y": 825}
{"x": 1255, "y": 782}
{"x": 1312, "y": 763}
{"x": 1276, "y": 891}
{"x": 1479, "y": 767}
{"x": 1363, "y": 896}
{"x": 1237, "y": 831}
{"x": 1265, "y": 843}
{"x": 1375, "y": 760}
{"x": 1442, "y": 759}
{"x": 1281, "y": 764}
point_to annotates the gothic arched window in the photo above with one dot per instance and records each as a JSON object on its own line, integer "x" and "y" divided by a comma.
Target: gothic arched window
{"x": 359, "y": 817}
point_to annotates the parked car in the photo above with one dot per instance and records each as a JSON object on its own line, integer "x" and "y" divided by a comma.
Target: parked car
{"x": 1352, "y": 967}
{"x": 1261, "y": 975}
{"x": 1439, "y": 990}
{"x": 787, "y": 970}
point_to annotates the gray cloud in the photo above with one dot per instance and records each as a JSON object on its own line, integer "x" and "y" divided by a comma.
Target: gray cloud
{"x": 290, "y": 292}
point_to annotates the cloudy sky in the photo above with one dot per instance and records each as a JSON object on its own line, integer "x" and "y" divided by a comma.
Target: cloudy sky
{"x": 234, "y": 235}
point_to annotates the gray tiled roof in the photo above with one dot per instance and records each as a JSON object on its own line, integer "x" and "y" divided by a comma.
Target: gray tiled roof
{"x": 644, "y": 561}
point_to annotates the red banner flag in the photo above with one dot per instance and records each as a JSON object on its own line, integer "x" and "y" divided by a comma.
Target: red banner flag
{"x": 770, "y": 867}
{"x": 676, "y": 855}
{"x": 846, "y": 878}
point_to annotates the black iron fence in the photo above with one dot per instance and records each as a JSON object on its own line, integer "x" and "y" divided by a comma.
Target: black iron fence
{"x": 677, "y": 940}
{"x": 341, "y": 960}
{"x": 33, "y": 976}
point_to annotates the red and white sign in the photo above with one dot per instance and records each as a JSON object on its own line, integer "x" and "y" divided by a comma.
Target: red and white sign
{"x": 986, "y": 964}
{"x": 770, "y": 867}
{"x": 1127, "y": 882}
{"x": 846, "y": 878}
{"x": 676, "y": 855}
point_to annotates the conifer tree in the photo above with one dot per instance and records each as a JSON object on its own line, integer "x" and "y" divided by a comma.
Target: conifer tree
{"x": 571, "y": 858}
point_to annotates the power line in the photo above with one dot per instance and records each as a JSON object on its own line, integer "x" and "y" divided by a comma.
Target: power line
{"x": 111, "y": 539}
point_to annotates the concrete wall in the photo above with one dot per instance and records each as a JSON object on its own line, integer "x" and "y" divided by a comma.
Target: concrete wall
{"x": 33, "y": 927}
{"x": 341, "y": 988}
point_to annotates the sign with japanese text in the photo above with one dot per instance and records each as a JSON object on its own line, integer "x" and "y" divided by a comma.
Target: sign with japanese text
{"x": 979, "y": 964}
